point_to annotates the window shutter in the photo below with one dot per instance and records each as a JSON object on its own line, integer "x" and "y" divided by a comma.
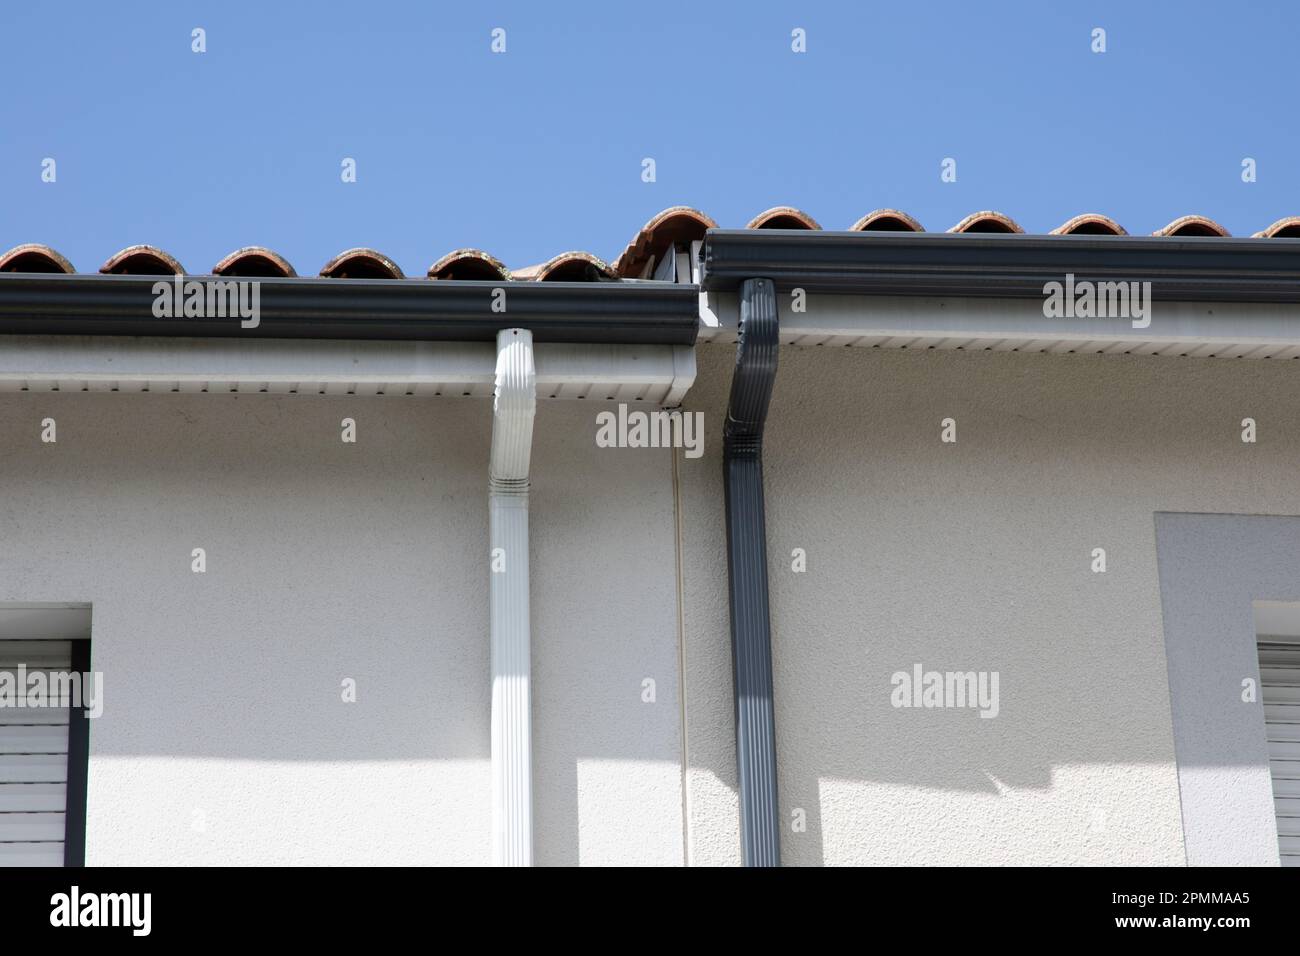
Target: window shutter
{"x": 1279, "y": 670}
{"x": 33, "y": 763}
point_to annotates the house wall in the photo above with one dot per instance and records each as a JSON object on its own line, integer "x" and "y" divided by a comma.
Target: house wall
{"x": 969, "y": 556}
{"x": 225, "y": 739}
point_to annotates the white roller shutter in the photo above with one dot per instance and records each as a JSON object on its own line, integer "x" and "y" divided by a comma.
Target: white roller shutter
{"x": 1279, "y": 671}
{"x": 33, "y": 763}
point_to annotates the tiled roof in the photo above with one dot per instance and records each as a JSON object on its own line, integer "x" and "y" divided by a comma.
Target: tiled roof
{"x": 682, "y": 223}
{"x": 670, "y": 228}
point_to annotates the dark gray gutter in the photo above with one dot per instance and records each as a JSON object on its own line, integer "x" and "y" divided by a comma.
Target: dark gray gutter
{"x": 626, "y": 313}
{"x": 751, "y": 644}
{"x": 1209, "y": 269}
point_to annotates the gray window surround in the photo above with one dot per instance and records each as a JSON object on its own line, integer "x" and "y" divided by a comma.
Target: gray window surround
{"x": 1212, "y": 568}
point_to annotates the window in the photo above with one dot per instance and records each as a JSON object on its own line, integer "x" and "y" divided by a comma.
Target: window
{"x": 44, "y": 741}
{"x": 1277, "y": 626}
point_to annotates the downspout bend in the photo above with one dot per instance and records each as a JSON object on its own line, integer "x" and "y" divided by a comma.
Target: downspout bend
{"x": 514, "y": 403}
{"x": 513, "y": 409}
{"x": 751, "y": 645}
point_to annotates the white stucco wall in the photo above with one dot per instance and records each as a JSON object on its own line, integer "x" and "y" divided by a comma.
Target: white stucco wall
{"x": 970, "y": 556}
{"x": 224, "y": 738}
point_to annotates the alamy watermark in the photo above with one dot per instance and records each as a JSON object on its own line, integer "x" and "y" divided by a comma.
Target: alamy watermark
{"x": 1085, "y": 299}
{"x": 657, "y": 429}
{"x": 74, "y": 908}
{"x": 209, "y": 299}
{"x": 42, "y": 688}
{"x": 946, "y": 689}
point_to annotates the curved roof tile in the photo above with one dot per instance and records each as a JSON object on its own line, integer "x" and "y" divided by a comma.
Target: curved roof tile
{"x": 469, "y": 264}
{"x": 254, "y": 261}
{"x": 887, "y": 220}
{"x": 142, "y": 261}
{"x": 361, "y": 263}
{"x": 672, "y": 225}
{"x": 783, "y": 217}
{"x": 574, "y": 266}
{"x": 1089, "y": 224}
{"x": 1285, "y": 228}
{"x": 1192, "y": 226}
{"x": 987, "y": 220}
{"x": 34, "y": 257}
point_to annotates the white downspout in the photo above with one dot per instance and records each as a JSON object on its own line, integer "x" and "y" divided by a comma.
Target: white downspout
{"x": 514, "y": 405}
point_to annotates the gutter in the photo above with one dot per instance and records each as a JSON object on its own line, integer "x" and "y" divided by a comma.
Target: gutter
{"x": 514, "y": 406}
{"x": 622, "y": 313}
{"x": 751, "y": 646}
{"x": 1187, "y": 269}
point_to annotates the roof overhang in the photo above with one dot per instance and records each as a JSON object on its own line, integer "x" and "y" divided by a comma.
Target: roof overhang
{"x": 1229, "y": 298}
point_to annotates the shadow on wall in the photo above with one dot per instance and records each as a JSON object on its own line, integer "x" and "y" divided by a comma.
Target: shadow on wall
{"x": 976, "y": 556}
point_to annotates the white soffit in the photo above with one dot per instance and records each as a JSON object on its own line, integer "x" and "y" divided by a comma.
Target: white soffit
{"x": 1200, "y": 330}
{"x": 656, "y": 374}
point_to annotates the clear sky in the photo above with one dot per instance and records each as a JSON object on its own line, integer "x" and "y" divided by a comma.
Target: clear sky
{"x": 539, "y": 149}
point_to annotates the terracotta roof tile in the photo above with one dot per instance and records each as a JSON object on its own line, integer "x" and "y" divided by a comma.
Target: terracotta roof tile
{"x": 254, "y": 261}
{"x": 987, "y": 221}
{"x": 142, "y": 261}
{"x": 361, "y": 263}
{"x": 573, "y": 266}
{"x": 782, "y": 217}
{"x": 34, "y": 257}
{"x": 886, "y": 220}
{"x": 1286, "y": 228}
{"x": 1089, "y": 224}
{"x": 673, "y": 225}
{"x": 1192, "y": 226}
{"x": 469, "y": 264}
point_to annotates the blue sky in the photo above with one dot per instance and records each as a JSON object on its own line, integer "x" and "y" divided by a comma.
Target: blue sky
{"x": 539, "y": 150}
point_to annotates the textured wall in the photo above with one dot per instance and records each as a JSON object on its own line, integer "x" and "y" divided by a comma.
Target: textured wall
{"x": 970, "y": 556}
{"x": 224, "y": 738}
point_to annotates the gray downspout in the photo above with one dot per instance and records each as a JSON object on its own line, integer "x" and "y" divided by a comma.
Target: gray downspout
{"x": 751, "y": 647}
